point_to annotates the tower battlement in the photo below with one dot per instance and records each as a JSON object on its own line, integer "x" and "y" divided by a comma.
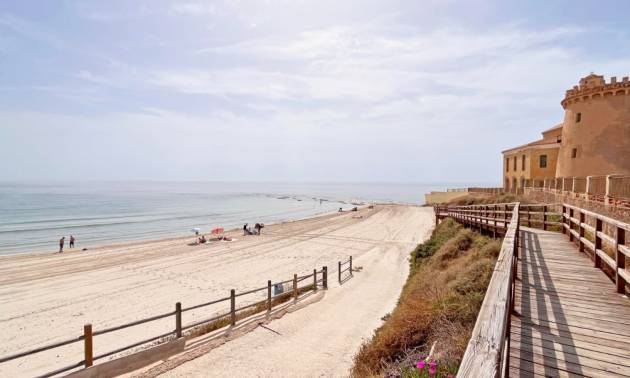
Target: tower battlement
{"x": 595, "y": 86}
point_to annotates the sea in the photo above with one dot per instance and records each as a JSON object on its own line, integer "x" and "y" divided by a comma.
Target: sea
{"x": 34, "y": 216}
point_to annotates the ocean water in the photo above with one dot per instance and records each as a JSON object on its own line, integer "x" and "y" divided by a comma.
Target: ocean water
{"x": 34, "y": 216}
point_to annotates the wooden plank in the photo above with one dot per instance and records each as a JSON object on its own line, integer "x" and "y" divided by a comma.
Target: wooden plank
{"x": 572, "y": 353}
{"x": 611, "y": 347}
{"x": 568, "y": 363}
{"x": 571, "y": 328}
{"x": 552, "y": 364}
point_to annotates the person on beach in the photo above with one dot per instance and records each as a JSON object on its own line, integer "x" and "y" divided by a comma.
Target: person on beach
{"x": 61, "y": 242}
{"x": 258, "y": 227}
{"x": 71, "y": 241}
{"x": 246, "y": 230}
{"x": 202, "y": 239}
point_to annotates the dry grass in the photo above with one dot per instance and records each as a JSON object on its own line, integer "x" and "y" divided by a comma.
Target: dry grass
{"x": 440, "y": 302}
{"x": 484, "y": 199}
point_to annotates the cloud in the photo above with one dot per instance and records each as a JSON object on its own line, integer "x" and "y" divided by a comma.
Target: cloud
{"x": 194, "y": 8}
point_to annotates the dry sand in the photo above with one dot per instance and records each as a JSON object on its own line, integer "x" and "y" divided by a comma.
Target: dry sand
{"x": 47, "y": 298}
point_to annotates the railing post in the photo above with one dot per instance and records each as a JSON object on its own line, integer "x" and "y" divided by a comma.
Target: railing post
{"x": 529, "y": 221}
{"x": 607, "y": 195}
{"x": 314, "y": 279}
{"x": 339, "y": 270}
{"x": 87, "y": 345}
{"x": 545, "y": 217}
{"x": 351, "y": 265}
{"x": 295, "y": 288}
{"x": 570, "y": 224}
{"x": 178, "y": 319}
{"x": 564, "y": 219}
{"x": 232, "y": 307}
{"x": 621, "y": 260}
{"x": 269, "y": 296}
{"x": 495, "y": 216}
{"x": 325, "y": 277}
{"x": 598, "y": 241}
{"x": 581, "y": 232}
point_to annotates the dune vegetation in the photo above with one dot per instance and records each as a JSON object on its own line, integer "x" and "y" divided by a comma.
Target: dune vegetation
{"x": 437, "y": 308}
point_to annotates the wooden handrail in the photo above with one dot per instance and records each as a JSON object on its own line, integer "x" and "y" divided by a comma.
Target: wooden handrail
{"x": 89, "y": 334}
{"x": 576, "y": 216}
{"x": 486, "y": 354}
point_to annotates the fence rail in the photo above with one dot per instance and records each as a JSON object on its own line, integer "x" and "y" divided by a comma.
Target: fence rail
{"x": 606, "y": 233}
{"x": 610, "y": 190}
{"x": 342, "y": 270}
{"x": 177, "y": 332}
{"x": 488, "y": 349}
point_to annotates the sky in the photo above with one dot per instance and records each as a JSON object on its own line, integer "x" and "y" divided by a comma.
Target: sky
{"x": 335, "y": 91}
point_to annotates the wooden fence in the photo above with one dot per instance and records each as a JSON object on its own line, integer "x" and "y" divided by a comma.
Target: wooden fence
{"x": 488, "y": 348}
{"x": 348, "y": 268}
{"x": 229, "y": 317}
{"x": 611, "y": 190}
{"x": 486, "y": 355}
{"x": 605, "y": 233}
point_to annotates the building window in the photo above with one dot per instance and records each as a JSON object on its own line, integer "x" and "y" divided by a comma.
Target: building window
{"x": 507, "y": 164}
{"x": 543, "y": 161}
{"x": 523, "y": 163}
{"x": 514, "y": 166}
{"x": 578, "y": 117}
{"x": 574, "y": 153}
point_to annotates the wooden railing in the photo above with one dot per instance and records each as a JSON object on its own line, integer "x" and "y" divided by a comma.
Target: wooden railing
{"x": 605, "y": 233}
{"x": 486, "y": 354}
{"x": 229, "y": 318}
{"x": 348, "y": 268}
{"x": 488, "y": 348}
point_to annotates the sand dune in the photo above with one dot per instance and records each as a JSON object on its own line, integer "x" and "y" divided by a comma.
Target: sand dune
{"x": 46, "y": 298}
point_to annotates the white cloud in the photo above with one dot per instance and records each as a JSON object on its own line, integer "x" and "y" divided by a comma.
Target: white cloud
{"x": 194, "y": 8}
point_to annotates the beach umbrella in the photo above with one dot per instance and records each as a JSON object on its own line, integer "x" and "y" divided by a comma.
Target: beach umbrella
{"x": 196, "y": 230}
{"x": 217, "y": 231}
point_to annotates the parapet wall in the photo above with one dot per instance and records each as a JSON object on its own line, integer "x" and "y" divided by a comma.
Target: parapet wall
{"x": 586, "y": 92}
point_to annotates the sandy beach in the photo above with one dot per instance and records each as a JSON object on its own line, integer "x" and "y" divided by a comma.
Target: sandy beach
{"x": 49, "y": 297}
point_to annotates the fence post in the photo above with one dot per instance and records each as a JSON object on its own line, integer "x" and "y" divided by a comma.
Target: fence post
{"x": 570, "y": 224}
{"x": 529, "y": 221}
{"x": 351, "y": 265}
{"x": 621, "y": 260}
{"x": 178, "y": 319}
{"x": 295, "y": 290}
{"x": 325, "y": 277}
{"x": 598, "y": 241}
{"x": 269, "y": 296}
{"x": 494, "y": 218}
{"x": 581, "y": 230}
{"x": 339, "y": 270}
{"x": 564, "y": 219}
{"x": 607, "y": 195}
{"x": 545, "y": 217}
{"x": 232, "y": 307}
{"x": 87, "y": 345}
{"x": 314, "y": 279}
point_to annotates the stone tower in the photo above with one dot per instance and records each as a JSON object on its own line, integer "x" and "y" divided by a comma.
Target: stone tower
{"x": 596, "y": 129}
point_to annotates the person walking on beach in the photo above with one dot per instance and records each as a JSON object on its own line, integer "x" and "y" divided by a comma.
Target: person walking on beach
{"x": 61, "y": 242}
{"x": 71, "y": 241}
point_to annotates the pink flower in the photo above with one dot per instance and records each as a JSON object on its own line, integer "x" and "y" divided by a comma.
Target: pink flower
{"x": 432, "y": 370}
{"x": 432, "y": 364}
{"x": 450, "y": 376}
{"x": 420, "y": 364}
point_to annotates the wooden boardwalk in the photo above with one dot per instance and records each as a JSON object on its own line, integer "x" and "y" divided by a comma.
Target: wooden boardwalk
{"x": 568, "y": 320}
